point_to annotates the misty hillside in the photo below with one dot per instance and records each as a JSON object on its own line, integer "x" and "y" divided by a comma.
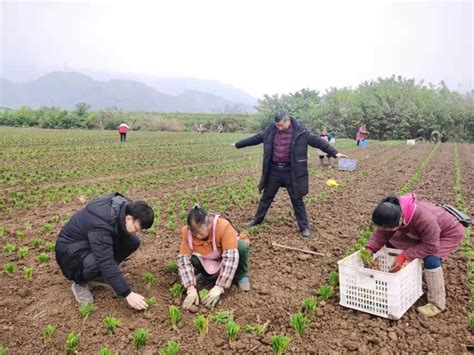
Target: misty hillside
{"x": 176, "y": 86}
{"x": 66, "y": 89}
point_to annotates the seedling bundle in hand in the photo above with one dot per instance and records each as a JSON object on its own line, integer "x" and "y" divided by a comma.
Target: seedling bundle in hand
{"x": 368, "y": 260}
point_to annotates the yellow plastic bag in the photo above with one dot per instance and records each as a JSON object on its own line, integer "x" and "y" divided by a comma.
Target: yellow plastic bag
{"x": 332, "y": 183}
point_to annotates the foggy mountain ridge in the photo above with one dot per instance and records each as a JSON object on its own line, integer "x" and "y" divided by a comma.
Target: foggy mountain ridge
{"x": 66, "y": 89}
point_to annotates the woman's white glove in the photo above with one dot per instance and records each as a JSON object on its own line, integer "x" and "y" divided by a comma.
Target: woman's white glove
{"x": 213, "y": 296}
{"x": 192, "y": 297}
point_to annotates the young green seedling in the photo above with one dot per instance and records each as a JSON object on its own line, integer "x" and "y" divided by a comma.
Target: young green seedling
{"x": 86, "y": 310}
{"x": 47, "y": 229}
{"x": 223, "y": 317}
{"x": 55, "y": 219}
{"x": 299, "y": 322}
{"x": 326, "y": 292}
{"x": 111, "y": 323}
{"x": 140, "y": 338}
{"x": 333, "y": 278}
{"x": 202, "y": 324}
{"x": 172, "y": 266}
{"x": 43, "y": 257}
{"x": 71, "y": 343}
{"x": 233, "y": 330}
{"x": 9, "y": 248}
{"x": 23, "y": 252}
{"x": 149, "y": 279}
{"x": 280, "y": 343}
{"x": 172, "y": 348}
{"x": 258, "y": 329}
{"x": 27, "y": 272}
{"x": 150, "y": 301}
{"x": 50, "y": 246}
{"x": 471, "y": 321}
{"x": 3, "y": 350}
{"x": 175, "y": 315}
{"x": 37, "y": 242}
{"x": 203, "y": 293}
{"x": 20, "y": 235}
{"x": 9, "y": 268}
{"x": 309, "y": 305}
{"x": 106, "y": 351}
{"x": 48, "y": 332}
{"x": 177, "y": 290}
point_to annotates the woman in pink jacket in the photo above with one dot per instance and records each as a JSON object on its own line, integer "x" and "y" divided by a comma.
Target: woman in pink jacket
{"x": 361, "y": 133}
{"x": 422, "y": 230}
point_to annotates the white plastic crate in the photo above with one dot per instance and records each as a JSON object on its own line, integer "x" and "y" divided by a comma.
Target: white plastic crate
{"x": 347, "y": 164}
{"x": 382, "y": 293}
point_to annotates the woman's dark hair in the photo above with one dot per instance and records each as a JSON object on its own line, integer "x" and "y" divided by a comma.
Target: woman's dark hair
{"x": 197, "y": 216}
{"x": 141, "y": 211}
{"x": 388, "y": 212}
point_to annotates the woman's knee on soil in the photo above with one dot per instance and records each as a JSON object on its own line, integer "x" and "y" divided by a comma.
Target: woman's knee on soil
{"x": 431, "y": 262}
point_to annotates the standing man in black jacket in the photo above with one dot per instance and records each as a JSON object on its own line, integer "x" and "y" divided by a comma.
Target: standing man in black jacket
{"x": 285, "y": 164}
{"x": 97, "y": 239}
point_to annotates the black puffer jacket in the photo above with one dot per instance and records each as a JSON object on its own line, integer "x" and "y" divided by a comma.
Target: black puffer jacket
{"x": 95, "y": 229}
{"x": 301, "y": 138}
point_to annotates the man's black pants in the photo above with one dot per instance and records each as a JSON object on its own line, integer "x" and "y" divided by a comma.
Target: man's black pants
{"x": 122, "y": 250}
{"x": 280, "y": 176}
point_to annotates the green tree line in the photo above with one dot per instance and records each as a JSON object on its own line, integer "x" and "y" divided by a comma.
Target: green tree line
{"x": 392, "y": 108}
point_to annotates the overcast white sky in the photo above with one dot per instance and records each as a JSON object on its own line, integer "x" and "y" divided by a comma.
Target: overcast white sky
{"x": 260, "y": 46}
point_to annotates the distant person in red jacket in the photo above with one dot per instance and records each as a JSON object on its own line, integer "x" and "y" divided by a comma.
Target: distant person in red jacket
{"x": 361, "y": 134}
{"x": 123, "y": 129}
{"x": 423, "y": 231}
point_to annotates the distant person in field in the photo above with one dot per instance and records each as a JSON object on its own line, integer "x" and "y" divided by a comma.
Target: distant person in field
{"x": 285, "y": 164}
{"x": 435, "y": 137}
{"x": 211, "y": 250}
{"x": 200, "y": 128}
{"x": 97, "y": 239}
{"x": 123, "y": 129}
{"x": 220, "y": 128}
{"x": 423, "y": 231}
{"x": 330, "y": 139}
{"x": 361, "y": 133}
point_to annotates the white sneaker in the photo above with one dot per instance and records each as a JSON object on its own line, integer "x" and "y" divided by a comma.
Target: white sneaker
{"x": 82, "y": 293}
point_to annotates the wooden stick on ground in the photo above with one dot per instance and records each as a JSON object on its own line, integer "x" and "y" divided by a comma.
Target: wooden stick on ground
{"x": 297, "y": 249}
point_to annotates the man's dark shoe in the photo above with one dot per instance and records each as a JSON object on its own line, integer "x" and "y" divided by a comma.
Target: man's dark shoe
{"x": 306, "y": 233}
{"x": 253, "y": 222}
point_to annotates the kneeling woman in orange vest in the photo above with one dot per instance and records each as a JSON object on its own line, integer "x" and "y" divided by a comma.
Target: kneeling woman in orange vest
{"x": 213, "y": 248}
